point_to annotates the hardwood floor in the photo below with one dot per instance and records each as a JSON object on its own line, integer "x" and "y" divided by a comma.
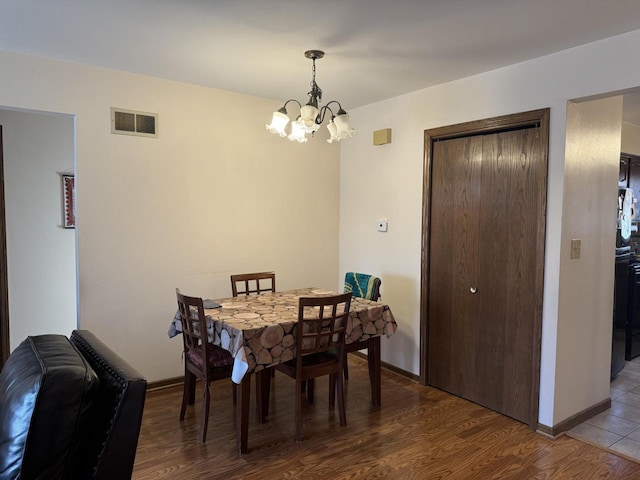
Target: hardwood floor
{"x": 420, "y": 432}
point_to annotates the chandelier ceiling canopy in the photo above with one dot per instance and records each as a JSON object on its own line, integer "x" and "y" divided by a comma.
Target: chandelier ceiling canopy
{"x": 311, "y": 114}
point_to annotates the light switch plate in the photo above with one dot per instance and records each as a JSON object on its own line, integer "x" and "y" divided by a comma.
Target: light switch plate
{"x": 575, "y": 248}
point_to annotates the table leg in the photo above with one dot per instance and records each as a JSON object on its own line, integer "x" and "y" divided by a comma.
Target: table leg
{"x": 375, "y": 377}
{"x": 242, "y": 413}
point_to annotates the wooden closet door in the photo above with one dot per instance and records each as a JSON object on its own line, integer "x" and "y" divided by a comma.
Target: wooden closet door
{"x": 454, "y": 243}
{"x": 483, "y": 261}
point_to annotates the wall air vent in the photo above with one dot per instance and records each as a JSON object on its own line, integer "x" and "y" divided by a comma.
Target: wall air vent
{"x": 130, "y": 122}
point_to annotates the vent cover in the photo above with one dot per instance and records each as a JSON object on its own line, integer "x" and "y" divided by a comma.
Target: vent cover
{"x": 130, "y": 122}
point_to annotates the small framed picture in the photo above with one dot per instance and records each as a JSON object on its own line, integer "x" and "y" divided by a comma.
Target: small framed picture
{"x": 69, "y": 200}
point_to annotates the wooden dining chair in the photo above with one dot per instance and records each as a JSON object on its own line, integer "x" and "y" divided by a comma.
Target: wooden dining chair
{"x": 320, "y": 344}
{"x": 202, "y": 360}
{"x": 364, "y": 286}
{"x": 244, "y": 280}
{"x": 252, "y": 283}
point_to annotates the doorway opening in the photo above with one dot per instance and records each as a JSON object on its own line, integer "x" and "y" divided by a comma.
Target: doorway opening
{"x": 40, "y": 255}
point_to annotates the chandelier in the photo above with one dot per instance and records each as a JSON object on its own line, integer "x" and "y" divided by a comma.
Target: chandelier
{"x": 311, "y": 117}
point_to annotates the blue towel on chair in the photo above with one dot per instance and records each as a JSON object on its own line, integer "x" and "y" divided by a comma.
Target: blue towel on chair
{"x": 361, "y": 285}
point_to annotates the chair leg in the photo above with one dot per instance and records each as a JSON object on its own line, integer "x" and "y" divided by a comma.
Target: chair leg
{"x": 192, "y": 389}
{"x": 188, "y": 392}
{"x": 332, "y": 390}
{"x": 234, "y": 391}
{"x": 307, "y": 388}
{"x": 341, "y": 410}
{"x": 298, "y": 411}
{"x": 346, "y": 367}
{"x": 311, "y": 383}
{"x": 205, "y": 410}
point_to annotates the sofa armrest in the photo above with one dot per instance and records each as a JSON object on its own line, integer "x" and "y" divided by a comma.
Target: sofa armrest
{"x": 117, "y": 413}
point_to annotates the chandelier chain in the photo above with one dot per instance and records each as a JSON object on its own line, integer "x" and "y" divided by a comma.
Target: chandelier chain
{"x": 316, "y": 91}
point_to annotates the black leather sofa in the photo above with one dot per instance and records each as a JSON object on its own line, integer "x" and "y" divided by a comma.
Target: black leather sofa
{"x": 69, "y": 409}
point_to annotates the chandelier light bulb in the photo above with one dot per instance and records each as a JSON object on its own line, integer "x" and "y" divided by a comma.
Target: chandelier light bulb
{"x": 344, "y": 129}
{"x": 309, "y": 114}
{"x": 333, "y": 131}
{"x": 278, "y": 123}
{"x": 298, "y": 133}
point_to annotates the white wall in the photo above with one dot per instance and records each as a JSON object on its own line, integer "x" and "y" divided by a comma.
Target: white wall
{"x": 186, "y": 209}
{"x": 387, "y": 181}
{"x": 592, "y": 163}
{"x": 41, "y": 254}
{"x": 214, "y": 194}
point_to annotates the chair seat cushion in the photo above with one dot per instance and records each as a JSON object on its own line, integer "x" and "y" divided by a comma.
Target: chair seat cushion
{"x": 320, "y": 358}
{"x": 315, "y": 359}
{"x": 218, "y": 356}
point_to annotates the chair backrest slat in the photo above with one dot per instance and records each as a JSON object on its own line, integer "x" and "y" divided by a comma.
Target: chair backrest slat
{"x": 194, "y": 328}
{"x": 322, "y": 321}
{"x": 253, "y": 283}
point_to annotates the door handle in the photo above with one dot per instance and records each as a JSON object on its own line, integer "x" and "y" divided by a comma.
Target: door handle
{"x": 473, "y": 289}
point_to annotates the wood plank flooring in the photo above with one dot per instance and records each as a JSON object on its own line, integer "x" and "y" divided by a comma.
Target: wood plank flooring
{"x": 419, "y": 433}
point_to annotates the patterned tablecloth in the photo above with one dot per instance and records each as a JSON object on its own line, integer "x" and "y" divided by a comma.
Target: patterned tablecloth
{"x": 258, "y": 329}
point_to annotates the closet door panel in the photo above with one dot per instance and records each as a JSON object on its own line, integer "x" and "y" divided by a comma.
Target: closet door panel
{"x": 509, "y": 220}
{"x": 453, "y": 269}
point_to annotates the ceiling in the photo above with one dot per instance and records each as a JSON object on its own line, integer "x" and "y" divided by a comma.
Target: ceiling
{"x": 375, "y": 49}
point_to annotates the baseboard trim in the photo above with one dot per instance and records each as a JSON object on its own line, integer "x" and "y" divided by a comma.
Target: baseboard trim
{"x": 172, "y": 382}
{"x": 573, "y": 420}
{"x": 166, "y": 383}
{"x": 390, "y": 368}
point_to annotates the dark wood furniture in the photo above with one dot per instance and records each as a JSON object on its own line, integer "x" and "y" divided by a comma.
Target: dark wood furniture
{"x": 630, "y": 178}
{"x": 202, "y": 359}
{"x": 319, "y": 349}
{"x": 630, "y": 172}
{"x": 259, "y": 331}
{"x": 627, "y": 291}
{"x": 244, "y": 280}
{"x": 249, "y": 280}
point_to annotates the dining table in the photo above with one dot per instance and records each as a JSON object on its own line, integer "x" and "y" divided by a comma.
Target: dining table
{"x": 259, "y": 332}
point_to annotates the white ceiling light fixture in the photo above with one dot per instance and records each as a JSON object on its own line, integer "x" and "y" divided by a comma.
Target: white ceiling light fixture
{"x": 311, "y": 116}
